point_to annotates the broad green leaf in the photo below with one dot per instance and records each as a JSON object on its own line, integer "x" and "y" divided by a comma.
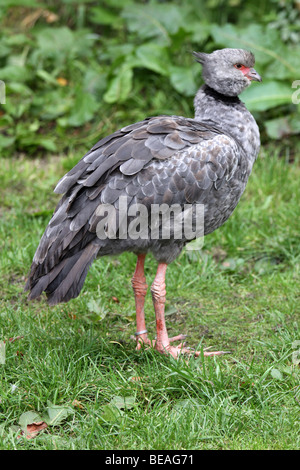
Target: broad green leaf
{"x": 199, "y": 31}
{"x": 19, "y": 88}
{"x": 116, "y": 407}
{"x": 4, "y": 50}
{"x": 55, "y": 40}
{"x": 182, "y": 79}
{"x": 84, "y": 108}
{"x": 33, "y": 140}
{"x": 111, "y": 413}
{"x": 263, "y": 96}
{"x": 17, "y": 39}
{"x": 96, "y": 308}
{"x": 153, "y": 57}
{"x": 53, "y": 103}
{"x": 123, "y": 402}
{"x": 15, "y": 73}
{"x": 6, "y": 142}
{"x": 100, "y": 15}
{"x": 120, "y": 86}
{"x": 157, "y": 21}
{"x": 118, "y": 52}
{"x": 61, "y": 44}
{"x": 282, "y": 126}
{"x": 95, "y": 81}
{"x": 276, "y": 374}
{"x": 56, "y": 414}
{"x": 47, "y": 143}
{"x": 284, "y": 69}
{"x": 145, "y": 24}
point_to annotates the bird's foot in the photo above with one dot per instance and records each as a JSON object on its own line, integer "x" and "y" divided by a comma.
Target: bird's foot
{"x": 181, "y": 349}
{"x": 143, "y": 340}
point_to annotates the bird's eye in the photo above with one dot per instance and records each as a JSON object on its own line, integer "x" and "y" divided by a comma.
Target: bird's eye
{"x": 238, "y": 66}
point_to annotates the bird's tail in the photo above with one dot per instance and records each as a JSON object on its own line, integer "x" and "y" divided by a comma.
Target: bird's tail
{"x": 65, "y": 279}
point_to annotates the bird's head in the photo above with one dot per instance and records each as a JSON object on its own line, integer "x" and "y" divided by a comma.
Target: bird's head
{"x": 228, "y": 71}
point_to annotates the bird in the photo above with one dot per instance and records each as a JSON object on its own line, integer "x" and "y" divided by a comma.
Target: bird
{"x": 164, "y": 162}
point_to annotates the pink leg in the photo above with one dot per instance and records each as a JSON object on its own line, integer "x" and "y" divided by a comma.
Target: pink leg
{"x": 158, "y": 290}
{"x": 140, "y": 290}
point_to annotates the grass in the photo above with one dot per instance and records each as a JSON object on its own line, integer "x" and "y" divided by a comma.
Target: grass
{"x": 240, "y": 293}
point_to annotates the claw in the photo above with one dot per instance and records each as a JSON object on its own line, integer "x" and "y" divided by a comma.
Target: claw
{"x": 211, "y": 353}
{"x": 182, "y": 350}
{"x": 177, "y": 338}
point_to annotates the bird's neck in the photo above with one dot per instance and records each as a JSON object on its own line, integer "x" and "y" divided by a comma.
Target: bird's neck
{"x": 213, "y": 106}
{"x": 208, "y": 91}
{"x": 229, "y": 114}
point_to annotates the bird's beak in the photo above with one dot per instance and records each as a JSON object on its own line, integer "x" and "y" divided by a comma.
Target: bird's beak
{"x": 253, "y": 75}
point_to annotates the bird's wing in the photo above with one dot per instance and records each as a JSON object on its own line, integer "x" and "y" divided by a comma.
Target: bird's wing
{"x": 186, "y": 177}
{"x": 131, "y": 148}
{"x": 159, "y": 160}
{"x": 149, "y": 161}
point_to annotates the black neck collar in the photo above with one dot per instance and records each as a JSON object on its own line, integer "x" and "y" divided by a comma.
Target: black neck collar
{"x": 219, "y": 96}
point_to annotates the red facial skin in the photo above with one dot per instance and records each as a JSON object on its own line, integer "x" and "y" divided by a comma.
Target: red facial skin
{"x": 250, "y": 73}
{"x": 243, "y": 69}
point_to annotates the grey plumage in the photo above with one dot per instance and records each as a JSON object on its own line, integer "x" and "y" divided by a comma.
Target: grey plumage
{"x": 165, "y": 159}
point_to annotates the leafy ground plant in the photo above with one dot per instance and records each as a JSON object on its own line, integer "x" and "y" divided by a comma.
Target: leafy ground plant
{"x": 67, "y": 64}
